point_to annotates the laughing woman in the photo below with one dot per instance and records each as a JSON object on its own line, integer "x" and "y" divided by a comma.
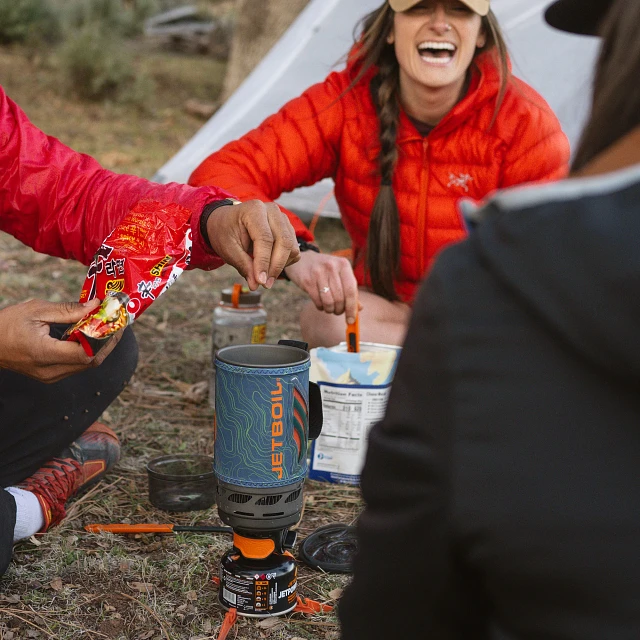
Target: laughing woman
{"x": 425, "y": 113}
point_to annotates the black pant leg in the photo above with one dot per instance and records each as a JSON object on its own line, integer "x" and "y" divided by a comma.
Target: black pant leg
{"x": 38, "y": 420}
{"x": 7, "y": 524}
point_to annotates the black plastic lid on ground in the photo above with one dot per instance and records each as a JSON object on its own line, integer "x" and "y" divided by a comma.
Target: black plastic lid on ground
{"x": 330, "y": 548}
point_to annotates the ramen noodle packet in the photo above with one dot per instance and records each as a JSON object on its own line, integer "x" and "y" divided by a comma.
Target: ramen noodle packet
{"x": 139, "y": 260}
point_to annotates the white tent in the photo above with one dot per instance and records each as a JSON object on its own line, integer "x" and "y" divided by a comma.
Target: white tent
{"x": 557, "y": 65}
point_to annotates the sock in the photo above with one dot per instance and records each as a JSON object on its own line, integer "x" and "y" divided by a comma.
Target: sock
{"x": 29, "y": 516}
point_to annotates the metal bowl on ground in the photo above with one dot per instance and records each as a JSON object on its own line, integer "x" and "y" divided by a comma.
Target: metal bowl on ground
{"x": 182, "y": 482}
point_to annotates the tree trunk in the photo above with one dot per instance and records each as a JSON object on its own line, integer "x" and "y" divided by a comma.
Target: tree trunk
{"x": 259, "y": 25}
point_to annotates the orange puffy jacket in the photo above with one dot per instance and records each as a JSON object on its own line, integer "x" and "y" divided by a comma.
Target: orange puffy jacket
{"x": 331, "y": 132}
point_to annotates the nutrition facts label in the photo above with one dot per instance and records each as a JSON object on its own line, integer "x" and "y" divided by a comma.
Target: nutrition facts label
{"x": 349, "y": 412}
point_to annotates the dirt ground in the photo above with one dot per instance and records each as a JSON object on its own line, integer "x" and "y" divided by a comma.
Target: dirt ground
{"x": 68, "y": 584}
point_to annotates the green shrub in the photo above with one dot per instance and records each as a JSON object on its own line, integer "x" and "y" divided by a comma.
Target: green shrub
{"x": 98, "y": 67}
{"x": 120, "y": 17}
{"x": 28, "y": 21}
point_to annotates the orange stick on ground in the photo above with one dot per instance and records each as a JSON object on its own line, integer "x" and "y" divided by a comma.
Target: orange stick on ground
{"x": 129, "y": 528}
{"x": 153, "y": 528}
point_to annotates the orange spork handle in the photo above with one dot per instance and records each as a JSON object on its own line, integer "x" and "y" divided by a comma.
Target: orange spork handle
{"x": 353, "y": 336}
{"x": 130, "y": 528}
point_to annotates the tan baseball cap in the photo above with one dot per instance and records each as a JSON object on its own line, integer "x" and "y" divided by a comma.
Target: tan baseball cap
{"x": 481, "y": 7}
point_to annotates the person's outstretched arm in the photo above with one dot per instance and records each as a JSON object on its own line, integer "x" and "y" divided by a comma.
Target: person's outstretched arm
{"x": 64, "y": 204}
{"x": 403, "y": 584}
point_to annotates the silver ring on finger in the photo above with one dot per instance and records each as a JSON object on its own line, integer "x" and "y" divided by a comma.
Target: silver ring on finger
{"x": 325, "y": 289}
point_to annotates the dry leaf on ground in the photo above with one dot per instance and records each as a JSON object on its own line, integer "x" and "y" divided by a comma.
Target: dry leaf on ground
{"x": 271, "y": 623}
{"x": 142, "y": 587}
{"x": 56, "y": 584}
{"x": 13, "y": 598}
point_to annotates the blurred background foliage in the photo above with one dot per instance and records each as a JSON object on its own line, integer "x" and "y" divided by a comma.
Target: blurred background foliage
{"x": 98, "y": 51}
{"x": 120, "y": 18}
{"x": 29, "y": 21}
{"x": 94, "y": 45}
{"x": 96, "y": 66}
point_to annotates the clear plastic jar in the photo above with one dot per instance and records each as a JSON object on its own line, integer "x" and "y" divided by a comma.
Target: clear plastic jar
{"x": 239, "y": 318}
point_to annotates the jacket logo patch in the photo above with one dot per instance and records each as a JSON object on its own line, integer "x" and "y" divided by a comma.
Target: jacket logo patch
{"x": 461, "y": 181}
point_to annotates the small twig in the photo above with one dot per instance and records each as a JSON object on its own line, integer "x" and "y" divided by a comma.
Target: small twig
{"x": 149, "y": 406}
{"x": 150, "y": 392}
{"x": 178, "y": 384}
{"x": 98, "y": 488}
{"x": 31, "y": 624}
{"x": 132, "y": 424}
{"x": 44, "y": 618}
{"x": 314, "y": 623}
{"x": 48, "y": 614}
{"x": 149, "y": 360}
{"x": 124, "y": 403}
{"x": 144, "y": 606}
{"x": 75, "y": 507}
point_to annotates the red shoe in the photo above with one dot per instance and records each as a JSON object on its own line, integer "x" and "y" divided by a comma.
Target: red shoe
{"x": 81, "y": 465}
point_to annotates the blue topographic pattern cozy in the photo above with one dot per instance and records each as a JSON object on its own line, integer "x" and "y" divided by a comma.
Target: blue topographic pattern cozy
{"x": 261, "y": 425}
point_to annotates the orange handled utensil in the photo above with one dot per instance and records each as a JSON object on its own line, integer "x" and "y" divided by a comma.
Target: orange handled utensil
{"x": 353, "y": 336}
{"x": 153, "y": 528}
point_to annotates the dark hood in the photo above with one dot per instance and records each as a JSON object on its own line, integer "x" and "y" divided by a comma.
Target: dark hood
{"x": 571, "y": 253}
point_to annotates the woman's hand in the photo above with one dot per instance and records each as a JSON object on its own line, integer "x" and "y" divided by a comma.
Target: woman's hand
{"x": 254, "y": 237}
{"x": 27, "y": 348}
{"x": 329, "y": 281}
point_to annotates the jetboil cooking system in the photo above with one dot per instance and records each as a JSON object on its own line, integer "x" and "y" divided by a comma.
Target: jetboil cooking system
{"x": 266, "y": 413}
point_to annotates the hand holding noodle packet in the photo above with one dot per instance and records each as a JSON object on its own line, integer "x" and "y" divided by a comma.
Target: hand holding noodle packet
{"x": 146, "y": 253}
{"x": 139, "y": 260}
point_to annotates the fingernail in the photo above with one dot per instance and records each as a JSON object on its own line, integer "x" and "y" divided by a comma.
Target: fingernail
{"x": 350, "y": 320}
{"x": 270, "y": 282}
{"x": 262, "y": 278}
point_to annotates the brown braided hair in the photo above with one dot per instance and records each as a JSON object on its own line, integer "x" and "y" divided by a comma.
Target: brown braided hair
{"x": 373, "y": 50}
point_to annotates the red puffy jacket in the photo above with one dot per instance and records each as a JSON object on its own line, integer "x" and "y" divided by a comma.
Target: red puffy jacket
{"x": 65, "y": 204}
{"x": 331, "y": 132}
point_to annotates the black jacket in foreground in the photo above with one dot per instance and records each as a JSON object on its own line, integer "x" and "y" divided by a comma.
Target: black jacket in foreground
{"x": 502, "y": 488}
